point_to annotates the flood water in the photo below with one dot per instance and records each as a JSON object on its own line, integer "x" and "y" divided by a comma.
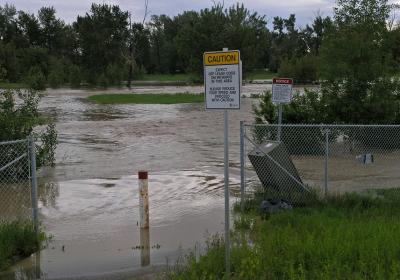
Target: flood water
{"x": 89, "y": 201}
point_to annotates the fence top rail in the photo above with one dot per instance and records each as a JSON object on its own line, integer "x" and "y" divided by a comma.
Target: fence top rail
{"x": 324, "y": 125}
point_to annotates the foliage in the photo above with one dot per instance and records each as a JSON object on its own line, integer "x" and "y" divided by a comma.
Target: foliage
{"x": 357, "y": 66}
{"x": 303, "y": 70}
{"x": 114, "y": 74}
{"x": 103, "y": 81}
{"x": 307, "y": 107}
{"x": 346, "y": 237}
{"x": 17, "y": 239}
{"x": 18, "y": 120}
{"x": 35, "y": 79}
{"x": 105, "y": 45}
{"x": 56, "y": 77}
{"x": 75, "y": 76}
{"x": 102, "y": 38}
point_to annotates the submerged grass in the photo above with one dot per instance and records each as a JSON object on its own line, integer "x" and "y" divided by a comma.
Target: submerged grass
{"x": 147, "y": 98}
{"x": 17, "y": 240}
{"x": 346, "y": 237}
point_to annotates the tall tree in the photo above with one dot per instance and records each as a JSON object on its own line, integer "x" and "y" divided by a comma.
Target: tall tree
{"x": 102, "y": 35}
{"x": 356, "y": 66}
{"x": 52, "y": 29}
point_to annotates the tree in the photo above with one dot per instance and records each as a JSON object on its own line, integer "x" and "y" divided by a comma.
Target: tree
{"x": 102, "y": 37}
{"x": 286, "y": 42}
{"x": 357, "y": 67}
{"x": 28, "y": 29}
{"x": 215, "y": 28}
{"x": 52, "y": 30}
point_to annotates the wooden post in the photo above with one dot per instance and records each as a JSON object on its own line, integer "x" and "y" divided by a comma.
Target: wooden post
{"x": 144, "y": 220}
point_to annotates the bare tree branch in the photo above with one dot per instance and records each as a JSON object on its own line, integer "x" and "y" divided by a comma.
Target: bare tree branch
{"x": 146, "y": 11}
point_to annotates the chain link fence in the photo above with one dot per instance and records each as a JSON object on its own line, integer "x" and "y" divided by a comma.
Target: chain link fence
{"x": 295, "y": 161}
{"x": 18, "y": 194}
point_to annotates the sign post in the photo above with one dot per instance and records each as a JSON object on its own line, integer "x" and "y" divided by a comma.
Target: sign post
{"x": 222, "y": 82}
{"x": 281, "y": 94}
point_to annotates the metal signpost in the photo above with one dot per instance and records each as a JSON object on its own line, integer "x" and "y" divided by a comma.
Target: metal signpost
{"x": 281, "y": 94}
{"x": 222, "y": 82}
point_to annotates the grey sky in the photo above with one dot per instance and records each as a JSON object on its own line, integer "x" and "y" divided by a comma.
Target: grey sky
{"x": 305, "y": 10}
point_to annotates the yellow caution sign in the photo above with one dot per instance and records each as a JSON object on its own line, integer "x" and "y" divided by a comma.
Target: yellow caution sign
{"x": 221, "y": 58}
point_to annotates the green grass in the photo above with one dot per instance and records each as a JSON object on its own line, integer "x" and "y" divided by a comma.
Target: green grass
{"x": 163, "y": 77}
{"x": 17, "y": 240}
{"x": 4, "y": 85}
{"x": 147, "y": 98}
{"x": 260, "y": 74}
{"x": 348, "y": 237}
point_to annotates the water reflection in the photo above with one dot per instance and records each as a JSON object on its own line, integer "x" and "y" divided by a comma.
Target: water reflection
{"x": 48, "y": 192}
{"x": 15, "y": 201}
{"x": 28, "y": 269}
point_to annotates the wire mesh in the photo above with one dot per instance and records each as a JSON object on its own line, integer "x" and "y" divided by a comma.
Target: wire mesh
{"x": 15, "y": 184}
{"x": 322, "y": 159}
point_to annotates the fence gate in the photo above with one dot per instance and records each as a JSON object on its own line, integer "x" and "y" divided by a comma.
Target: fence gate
{"x": 18, "y": 187}
{"x": 325, "y": 159}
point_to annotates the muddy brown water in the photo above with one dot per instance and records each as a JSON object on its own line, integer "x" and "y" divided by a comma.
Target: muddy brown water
{"x": 89, "y": 201}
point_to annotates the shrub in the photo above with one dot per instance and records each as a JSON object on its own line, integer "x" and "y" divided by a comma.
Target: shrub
{"x": 35, "y": 79}
{"x": 55, "y": 79}
{"x": 17, "y": 121}
{"x": 114, "y": 75}
{"x": 17, "y": 239}
{"x": 302, "y": 70}
{"x": 75, "y": 76}
{"x": 103, "y": 81}
{"x": 304, "y": 108}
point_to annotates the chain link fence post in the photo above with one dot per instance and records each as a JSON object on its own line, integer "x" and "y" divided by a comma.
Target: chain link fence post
{"x": 327, "y": 131}
{"x": 33, "y": 178}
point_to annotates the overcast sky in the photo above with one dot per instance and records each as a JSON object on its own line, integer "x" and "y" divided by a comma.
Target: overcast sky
{"x": 305, "y": 10}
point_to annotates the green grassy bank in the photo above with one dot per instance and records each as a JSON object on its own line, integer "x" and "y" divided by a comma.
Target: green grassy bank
{"x": 260, "y": 74}
{"x": 4, "y": 85}
{"x": 147, "y": 98}
{"x": 17, "y": 240}
{"x": 348, "y": 237}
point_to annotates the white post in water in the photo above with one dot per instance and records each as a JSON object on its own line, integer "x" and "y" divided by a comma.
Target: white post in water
{"x": 144, "y": 221}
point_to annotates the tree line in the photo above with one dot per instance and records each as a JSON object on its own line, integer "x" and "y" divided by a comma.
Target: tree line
{"x": 104, "y": 47}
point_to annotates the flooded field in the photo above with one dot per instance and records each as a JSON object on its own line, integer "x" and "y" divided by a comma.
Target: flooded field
{"x": 89, "y": 201}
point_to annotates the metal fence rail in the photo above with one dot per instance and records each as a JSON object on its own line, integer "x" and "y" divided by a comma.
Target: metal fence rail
{"x": 326, "y": 159}
{"x": 18, "y": 188}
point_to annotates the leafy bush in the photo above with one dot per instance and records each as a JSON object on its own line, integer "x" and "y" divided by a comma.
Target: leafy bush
{"x": 55, "y": 79}
{"x": 17, "y": 121}
{"x": 57, "y": 76}
{"x": 304, "y": 108}
{"x": 3, "y": 73}
{"x": 114, "y": 74}
{"x": 103, "y": 81}
{"x": 35, "y": 79}
{"x": 302, "y": 70}
{"x": 75, "y": 76}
